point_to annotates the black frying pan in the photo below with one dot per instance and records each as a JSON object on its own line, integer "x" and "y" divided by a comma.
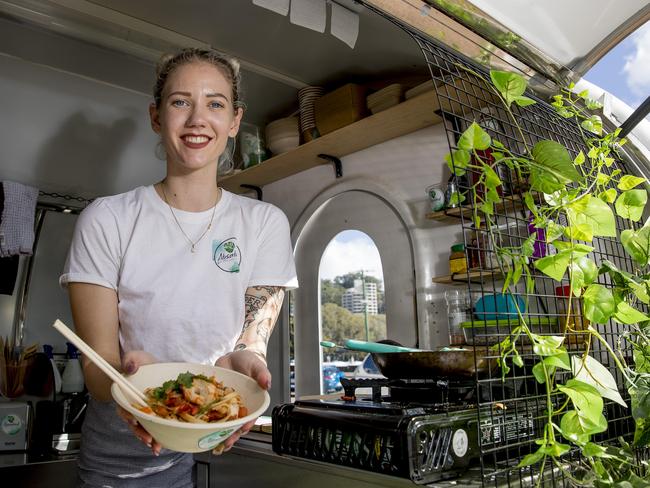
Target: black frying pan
{"x": 452, "y": 363}
{"x": 400, "y": 362}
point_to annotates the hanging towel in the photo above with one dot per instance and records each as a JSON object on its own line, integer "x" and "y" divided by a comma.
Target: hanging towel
{"x": 17, "y": 219}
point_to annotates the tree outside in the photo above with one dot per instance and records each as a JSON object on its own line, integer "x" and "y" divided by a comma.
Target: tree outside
{"x": 339, "y": 324}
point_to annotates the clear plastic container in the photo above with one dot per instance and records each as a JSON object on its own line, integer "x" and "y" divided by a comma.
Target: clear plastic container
{"x": 251, "y": 145}
{"x": 457, "y": 313}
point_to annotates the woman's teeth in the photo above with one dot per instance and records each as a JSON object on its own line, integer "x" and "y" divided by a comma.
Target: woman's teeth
{"x": 196, "y": 139}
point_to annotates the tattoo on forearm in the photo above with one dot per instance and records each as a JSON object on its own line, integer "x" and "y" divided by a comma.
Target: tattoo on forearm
{"x": 263, "y": 304}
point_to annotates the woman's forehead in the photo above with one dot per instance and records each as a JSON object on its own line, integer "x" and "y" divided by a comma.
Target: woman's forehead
{"x": 198, "y": 74}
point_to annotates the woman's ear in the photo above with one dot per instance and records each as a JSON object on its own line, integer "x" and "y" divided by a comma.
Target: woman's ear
{"x": 154, "y": 116}
{"x": 234, "y": 128}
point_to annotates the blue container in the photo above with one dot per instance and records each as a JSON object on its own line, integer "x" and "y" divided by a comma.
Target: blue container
{"x": 499, "y": 306}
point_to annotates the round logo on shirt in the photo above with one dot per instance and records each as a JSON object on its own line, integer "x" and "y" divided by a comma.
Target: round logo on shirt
{"x": 226, "y": 255}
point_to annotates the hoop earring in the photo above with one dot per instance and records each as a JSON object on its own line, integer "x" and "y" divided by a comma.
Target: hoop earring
{"x": 160, "y": 152}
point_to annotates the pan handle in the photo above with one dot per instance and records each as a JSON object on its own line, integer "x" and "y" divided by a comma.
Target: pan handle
{"x": 376, "y": 347}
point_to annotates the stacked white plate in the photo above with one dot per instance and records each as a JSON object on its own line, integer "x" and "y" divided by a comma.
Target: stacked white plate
{"x": 384, "y": 98}
{"x": 306, "y": 98}
{"x": 282, "y": 135}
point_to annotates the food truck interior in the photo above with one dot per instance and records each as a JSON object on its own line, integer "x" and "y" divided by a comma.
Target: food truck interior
{"x": 352, "y": 108}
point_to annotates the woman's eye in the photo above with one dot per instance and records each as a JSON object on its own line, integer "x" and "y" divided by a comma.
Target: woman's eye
{"x": 179, "y": 103}
{"x": 216, "y": 105}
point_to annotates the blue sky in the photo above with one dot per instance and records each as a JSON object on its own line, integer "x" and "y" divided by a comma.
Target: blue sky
{"x": 624, "y": 72}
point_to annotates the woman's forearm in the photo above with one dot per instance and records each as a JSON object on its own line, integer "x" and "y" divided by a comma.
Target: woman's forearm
{"x": 263, "y": 304}
{"x": 94, "y": 310}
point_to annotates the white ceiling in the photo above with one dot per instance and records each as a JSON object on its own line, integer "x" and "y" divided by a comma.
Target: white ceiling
{"x": 565, "y": 30}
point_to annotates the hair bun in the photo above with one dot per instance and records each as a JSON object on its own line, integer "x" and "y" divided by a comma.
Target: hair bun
{"x": 164, "y": 59}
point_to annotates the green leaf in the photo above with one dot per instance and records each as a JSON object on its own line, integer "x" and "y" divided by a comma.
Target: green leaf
{"x": 594, "y": 450}
{"x": 554, "y": 167}
{"x": 553, "y": 231}
{"x": 473, "y": 138}
{"x": 572, "y": 429}
{"x": 593, "y": 124}
{"x": 628, "y": 182}
{"x": 597, "y": 375}
{"x": 608, "y": 196}
{"x": 458, "y": 160}
{"x": 598, "y": 303}
{"x": 585, "y": 398}
{"x": 555, "y": 265}
{"x": 510, "y": 85}
{"x": 637, "y": 244}
{"x": 524, "y": 101}
{"x": 630, "y": 204}
{"x": 579, "y": 159}
{"x": 583, "y": 272}
{"x": 597, "y": 214}
{"x": 628, "y": 315}
{"x": 538, "y": 373}
{"x": 492, "y": 179}
{"x": 580, "y": 232}
{"x": 560, "y": 360}
{"x": 547, "y": 345}
{"x": 532, "y": 458}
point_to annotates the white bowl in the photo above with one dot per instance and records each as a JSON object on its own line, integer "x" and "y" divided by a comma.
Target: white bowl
{"x": 184, "y": 436}
{"x": 284, "y": 144}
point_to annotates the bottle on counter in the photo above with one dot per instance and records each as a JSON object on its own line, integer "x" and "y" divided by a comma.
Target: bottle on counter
{"x": 457, "y": 313}
{"x": 72, "y": 380}
{"x": 49, "y": 352}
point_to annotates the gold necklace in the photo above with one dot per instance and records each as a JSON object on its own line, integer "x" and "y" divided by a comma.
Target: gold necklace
{"x": 192, "y": 243}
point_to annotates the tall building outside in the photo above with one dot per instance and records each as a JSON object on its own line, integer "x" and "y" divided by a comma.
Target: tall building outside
{"x": 353, "y": 299}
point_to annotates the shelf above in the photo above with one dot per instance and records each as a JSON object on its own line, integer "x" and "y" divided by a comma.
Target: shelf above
{"x": 508, "y": 203}
{"x": 407, "y": 117}
{"x": 458, "y": 279}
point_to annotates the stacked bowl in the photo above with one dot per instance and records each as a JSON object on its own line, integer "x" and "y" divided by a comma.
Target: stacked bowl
{"x": 306, "y": 98}
{"x": 282, "y": 135}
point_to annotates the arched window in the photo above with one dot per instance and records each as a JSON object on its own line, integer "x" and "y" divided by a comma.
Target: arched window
{"x": 352, "y": 304}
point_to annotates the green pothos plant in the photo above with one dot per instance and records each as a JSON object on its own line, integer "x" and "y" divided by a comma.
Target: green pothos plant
{"x": 574, "y": 198}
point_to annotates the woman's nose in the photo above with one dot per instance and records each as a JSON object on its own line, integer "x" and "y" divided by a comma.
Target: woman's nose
{"x": 196, "y": 117}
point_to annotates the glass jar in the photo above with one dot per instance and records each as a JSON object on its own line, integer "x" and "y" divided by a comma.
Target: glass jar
{"x": 571, "y": 320}
{"x": 458, "y": 259}
{"x": 457, "y": 313}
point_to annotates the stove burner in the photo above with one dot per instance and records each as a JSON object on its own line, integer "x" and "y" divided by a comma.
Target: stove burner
{"x": 419, "y": 391}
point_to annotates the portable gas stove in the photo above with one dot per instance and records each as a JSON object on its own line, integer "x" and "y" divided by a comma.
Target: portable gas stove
{"x": 424, "y": 430}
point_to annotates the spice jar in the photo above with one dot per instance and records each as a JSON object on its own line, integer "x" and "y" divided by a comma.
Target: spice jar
{"x": 457, "y": 313}
{"x": 569, "y": 309}
{"x": 457, "y": 259}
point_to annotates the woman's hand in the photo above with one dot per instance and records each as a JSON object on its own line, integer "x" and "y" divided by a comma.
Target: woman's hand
{"x": 131, "y": 361}
{"x": 250, "y": 364}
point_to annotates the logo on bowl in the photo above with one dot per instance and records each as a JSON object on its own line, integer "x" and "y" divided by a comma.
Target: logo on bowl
{"x": 212, "y": 440}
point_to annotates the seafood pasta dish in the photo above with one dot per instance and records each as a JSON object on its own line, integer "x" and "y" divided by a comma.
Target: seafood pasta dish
{"x": 194, "y": 398}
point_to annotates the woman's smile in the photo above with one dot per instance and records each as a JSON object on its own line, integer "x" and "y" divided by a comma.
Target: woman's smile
{"x": 196, "y": 141}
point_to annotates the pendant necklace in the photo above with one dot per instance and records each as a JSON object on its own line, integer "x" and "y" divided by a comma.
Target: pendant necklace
{"x": 192, "y": 243}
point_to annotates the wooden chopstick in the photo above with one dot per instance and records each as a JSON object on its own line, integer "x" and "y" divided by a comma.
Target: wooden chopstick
{"x": 101, "y": 363}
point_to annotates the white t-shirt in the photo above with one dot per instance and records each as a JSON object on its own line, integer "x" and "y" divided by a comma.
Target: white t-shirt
{"x": 175, "y": 304}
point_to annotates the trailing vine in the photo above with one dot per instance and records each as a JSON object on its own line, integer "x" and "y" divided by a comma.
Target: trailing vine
{"x": 573, "y": 199}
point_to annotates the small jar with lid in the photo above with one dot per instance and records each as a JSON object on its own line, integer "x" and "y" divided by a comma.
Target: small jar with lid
{"x": 458, "y": 259}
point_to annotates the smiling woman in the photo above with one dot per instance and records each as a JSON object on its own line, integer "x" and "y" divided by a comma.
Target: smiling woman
{"x": 145, "y": 268}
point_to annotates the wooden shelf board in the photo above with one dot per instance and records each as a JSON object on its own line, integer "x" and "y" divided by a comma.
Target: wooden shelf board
{"x": 509, "y": 202}
{"x": 409, "y": 116}
{"x": 472, "y": 277}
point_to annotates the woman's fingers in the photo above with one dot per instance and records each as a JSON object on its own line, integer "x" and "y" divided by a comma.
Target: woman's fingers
{"x": 139, "y": 431}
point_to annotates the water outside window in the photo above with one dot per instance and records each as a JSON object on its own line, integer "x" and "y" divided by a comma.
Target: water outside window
{"x": 352, "y": 299}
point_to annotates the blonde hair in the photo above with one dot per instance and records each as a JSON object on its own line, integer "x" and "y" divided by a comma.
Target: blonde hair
{"x": 227, "y": 65}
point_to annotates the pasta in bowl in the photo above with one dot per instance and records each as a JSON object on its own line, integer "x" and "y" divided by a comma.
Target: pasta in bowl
{"x": 193, "y": 407}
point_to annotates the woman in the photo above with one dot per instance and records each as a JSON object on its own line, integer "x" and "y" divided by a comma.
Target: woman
{"x": 178, "y": 271}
